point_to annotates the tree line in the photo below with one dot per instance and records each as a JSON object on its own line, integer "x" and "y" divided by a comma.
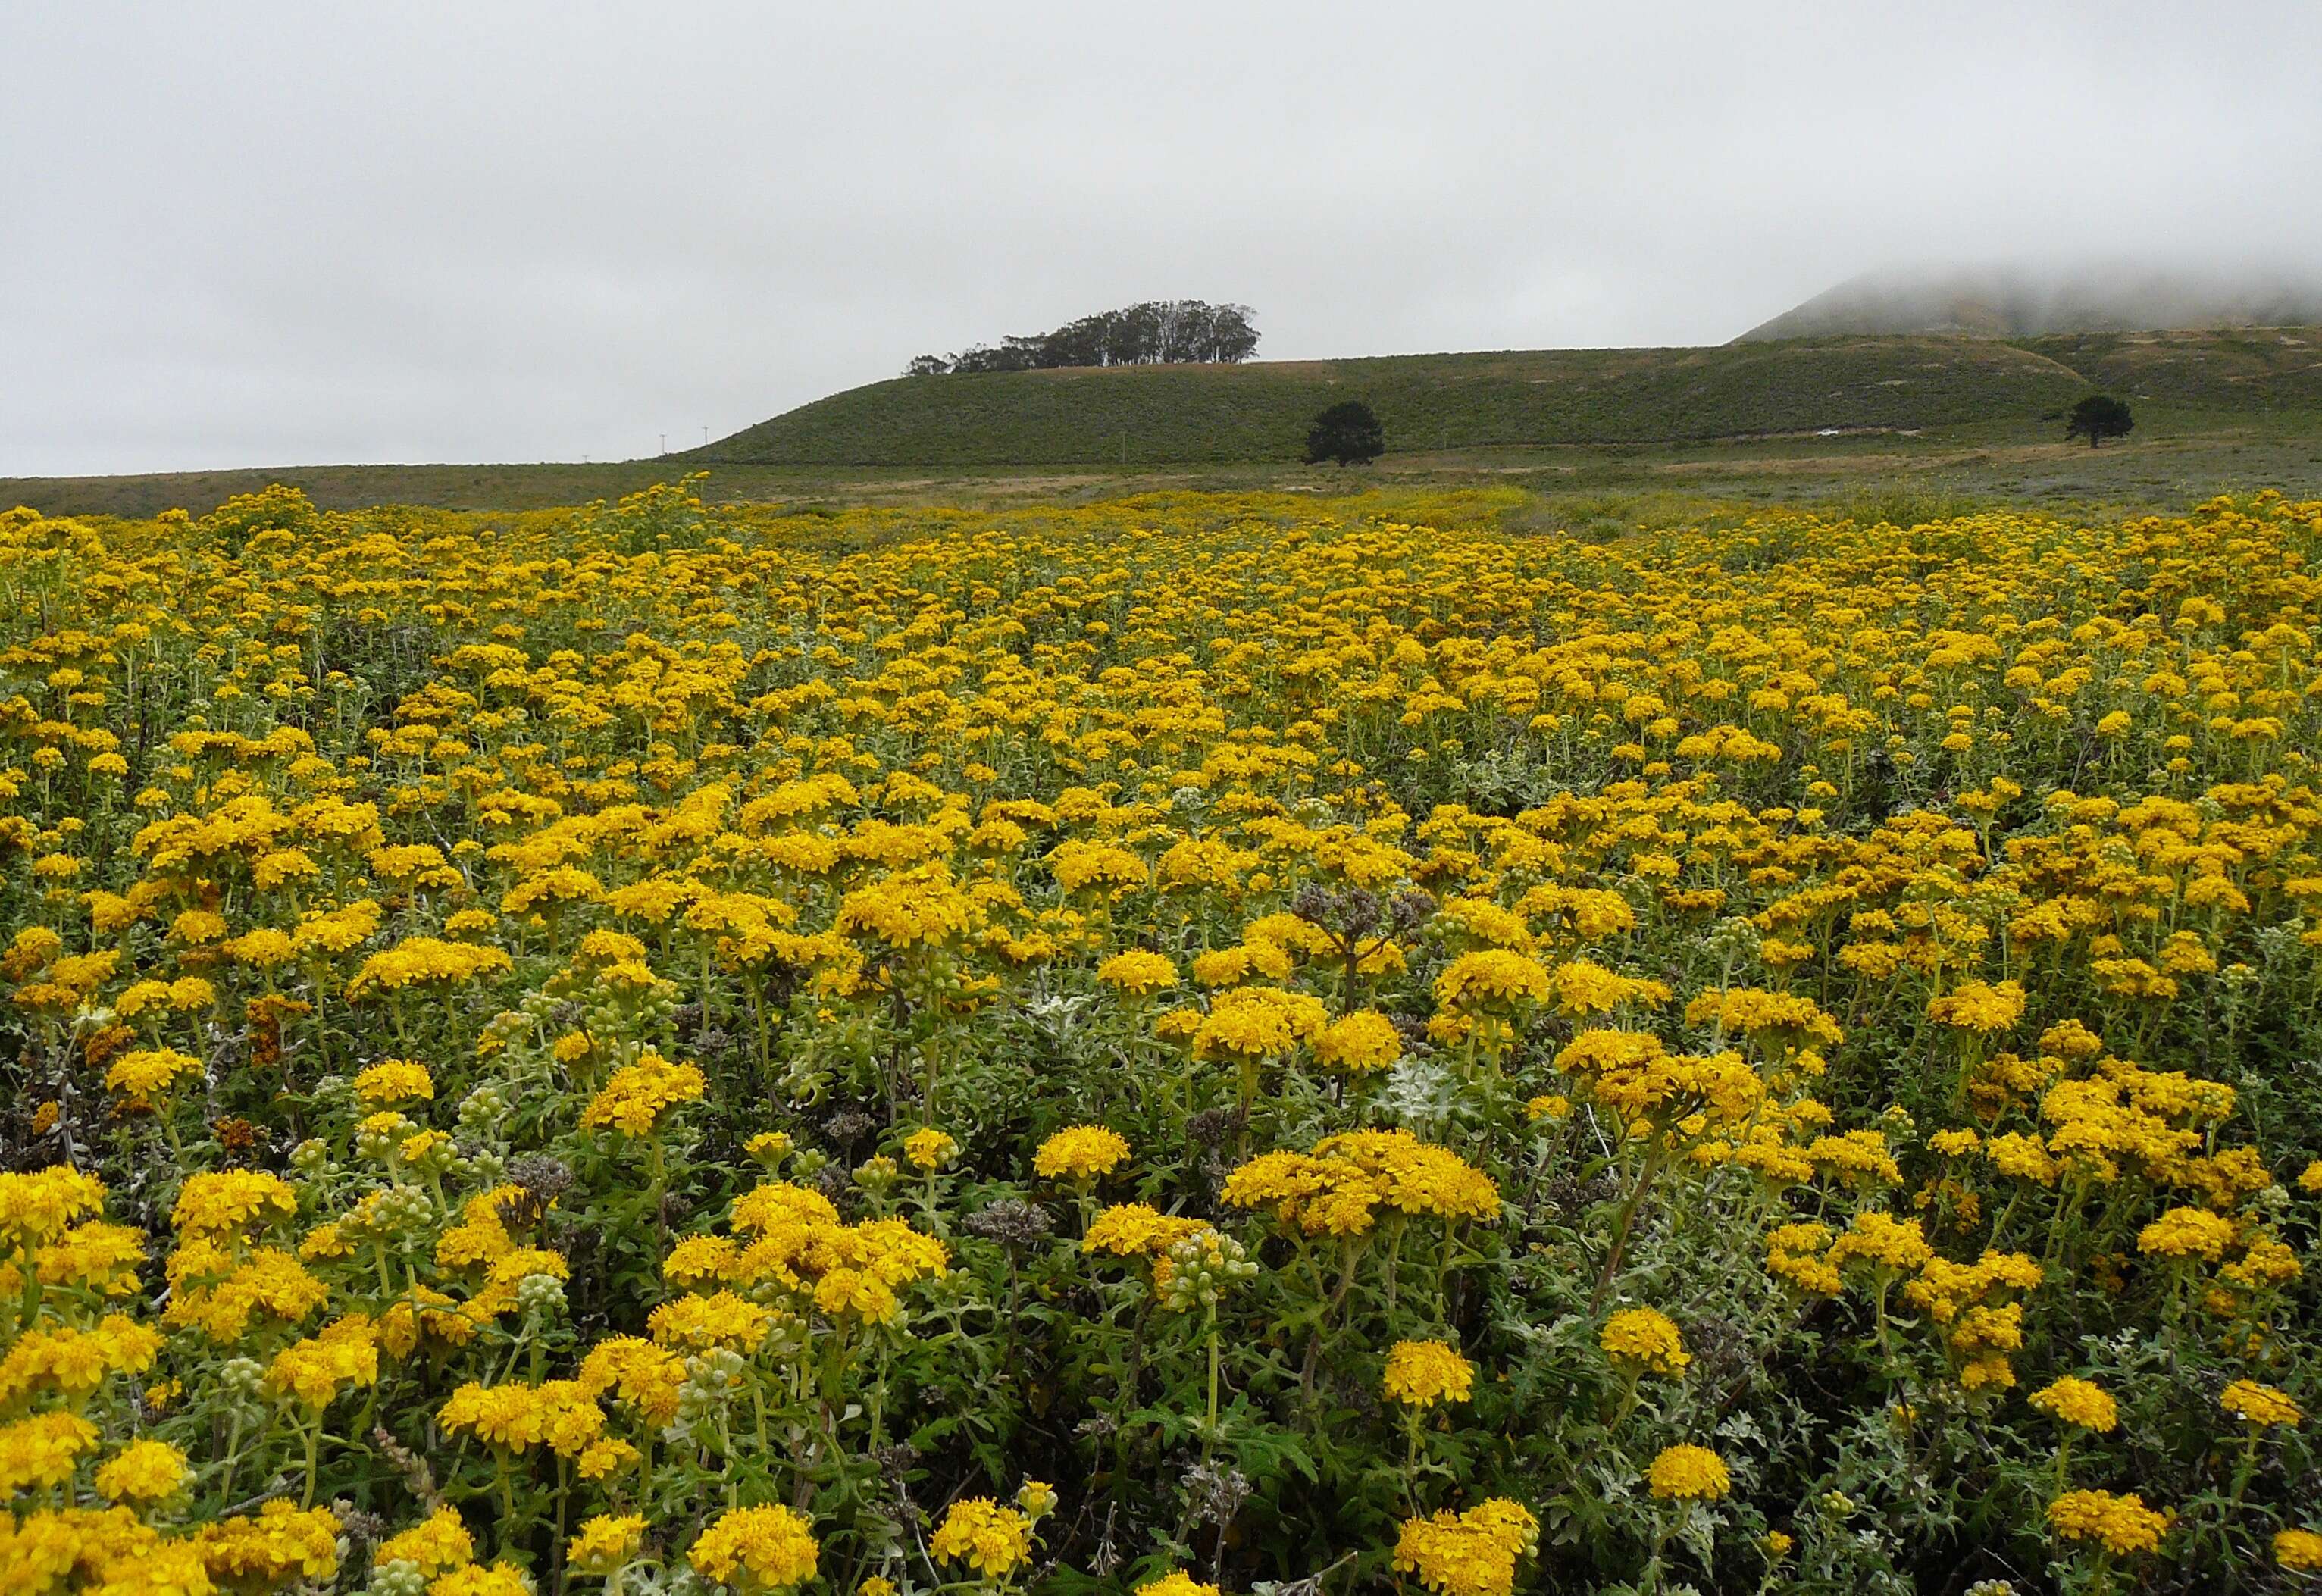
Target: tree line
{"x": 1157, "y": 332}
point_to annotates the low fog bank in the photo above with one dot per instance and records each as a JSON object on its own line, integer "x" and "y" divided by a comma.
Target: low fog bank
{"x": 2025, "y": 301}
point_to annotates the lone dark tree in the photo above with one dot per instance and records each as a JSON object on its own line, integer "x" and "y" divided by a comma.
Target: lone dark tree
{"x": 2097, "y": 417}
{"x": 1349, "y": 433}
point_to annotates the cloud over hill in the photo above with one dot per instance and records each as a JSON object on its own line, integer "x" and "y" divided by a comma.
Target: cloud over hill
{"x": 2001, "y": 301}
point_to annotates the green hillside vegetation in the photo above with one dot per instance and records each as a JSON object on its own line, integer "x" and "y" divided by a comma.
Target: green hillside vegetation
{"x": 2176, "y": 459}
{"x": 2216, "y": 411}
{"x": 2247, "y": 369}
{"x": 1144, "y": 415}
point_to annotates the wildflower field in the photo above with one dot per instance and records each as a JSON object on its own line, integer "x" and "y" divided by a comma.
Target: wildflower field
{"x": 1194, "y": 1043}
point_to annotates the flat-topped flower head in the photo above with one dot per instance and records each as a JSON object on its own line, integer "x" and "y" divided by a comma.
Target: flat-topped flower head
{"x": 2259, "y": 1406}
{"x": 1081, "y": 1153}
{"x": 2079, "y": 1402}
{"x": 930, "y": 1149}
{"x": 1644, "y": 1341}
{"x": 1688, "y": 1473}
{"x": 1421, "y": 1374}
{"x": 394, "y": 1081}
{"x": 992, "y": 1540}
{"x": 760, "y": 1549}
{"x": 1139, "y": 972}
{"x": 2121, "y": 1524}
{"x": 1470, "y": 1554}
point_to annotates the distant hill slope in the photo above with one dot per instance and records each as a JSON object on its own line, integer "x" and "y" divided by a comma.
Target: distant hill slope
{"x": 1150, "y": 414}
{"x": 2245, "y": 369}
{"x": 2010, "y": 302}
{"x": 1142, "y": 416}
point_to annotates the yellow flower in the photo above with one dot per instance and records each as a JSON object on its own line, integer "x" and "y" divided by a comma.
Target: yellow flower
{"x": 424, "y": 960}
{"x": 1425, "y": 1373}
{"x": 343, "y": 1356}
{"x": 395, "y": 1081}
{"x": 2186, "y": 1233}
{"x": 2260, "y": 1405}
{"x": 279, "y": 1541}
{"x": 40, "y": 1453}
{"x": 2078, "y": 1401}
{"x": 1489, "y": 976}
{"x": 1136, "y": 1229}
{"x": 100, "y": 1256}
{"x": 605, "y": 1542}
{"x": 1175, "y": 1582}
{"x": 143, "y": 1472}
{"x": 73, "y": 1362}
{"x": 1358, "y": 1043}
{"x": 757, "y": 1549}
{"x": 1688, "y": 1473}
{"x": 1979, "y": 1007}
{"x": 501, "y": 1579}
{"x": 1080, "y": 1153}
{"x": 148, "y": 1071}
{"x": 1644, "y": 1340}
{"x": 1259, "y": 1023}
{"x": 2298, "y": 1550}
{"x": 992, "y": 1540}
{"x": 561, "y": 1415}
{"x": 1138, "y": 972}
{"x": 1470, "y": 1554}
{"x": 1756, "y": 1013}
{"x": 694, "y": 1323}
{"x": 215, "y": 1203}
{"x": 1882, "y": 1240}
{"x": 2121, "y": 1524}
{"x": 436, "y": 1543}
{"x": 637, "y": 1095}
{"x": 1338, "y": 1189}
{"x": 929, "y": 1148}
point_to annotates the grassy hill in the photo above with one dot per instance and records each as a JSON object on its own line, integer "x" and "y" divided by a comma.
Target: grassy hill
{"x": 1155, "y": 414}
{"x": 1145, "y": 416}
{"x": 2216, "y": 411}
{"x": 2242, "y": 371}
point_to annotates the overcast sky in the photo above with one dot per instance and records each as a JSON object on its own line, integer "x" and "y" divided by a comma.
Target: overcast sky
{"x": 235, "y": 234}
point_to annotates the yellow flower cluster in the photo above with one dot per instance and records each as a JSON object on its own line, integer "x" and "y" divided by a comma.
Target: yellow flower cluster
{"x": 1137, "y": 1229}
{"x": 395, "y": 1081}
{"x": 1644, "y": 1340}
{"x": 757, "y": 1549}
{"x": 1359, "y": 1043}
{"x": 2298, "y": 1550}
{"x": 792, "y": 1242}
{"x": 1080, "y": 1153}
{"x": 992, "y": 1539}
{"x": 1688, "y": 1473}
{"x": 2259, "y": 1406}
{"x": 2121, "y": 1524}
{"x": 1420, "y": 1374}
{"x": 2078, "y": 1401}
{"x": 637, "y": 1097}
{"x": 1339, "y": 1188}
{"x": 1470, "y": 1554}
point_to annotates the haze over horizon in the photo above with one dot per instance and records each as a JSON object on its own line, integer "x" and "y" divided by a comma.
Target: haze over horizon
{"x": 271, "y": 235}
